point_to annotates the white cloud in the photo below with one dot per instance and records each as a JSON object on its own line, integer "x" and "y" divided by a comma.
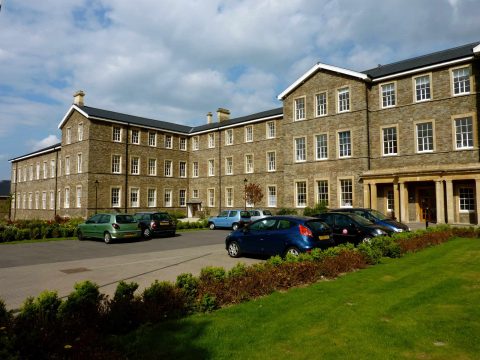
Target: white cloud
{"x": 43, "y": 143}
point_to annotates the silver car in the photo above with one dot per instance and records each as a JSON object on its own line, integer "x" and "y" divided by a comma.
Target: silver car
{"x": 259, "y": 214}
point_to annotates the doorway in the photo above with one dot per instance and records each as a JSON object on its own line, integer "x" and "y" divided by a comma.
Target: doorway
{"x": 426, "y": 204}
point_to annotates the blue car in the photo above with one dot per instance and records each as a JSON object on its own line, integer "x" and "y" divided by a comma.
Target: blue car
{"x": 229, "y": 219}
{"x": 279, "y": 235}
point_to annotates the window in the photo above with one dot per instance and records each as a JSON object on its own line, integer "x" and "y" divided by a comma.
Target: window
{"x": 249, "y": 133}
{"x": 321, "y": 104}
{"x": 195, "y": 169}
{"x": 388, "y": 95}
{"x": 461, "y": 81}
{"x": 79, "y": 163}
{"x": 30, "y": 200}
{"x": 52, "y": 168}
{"x": 229, "y": 166}
{"x": 37, "y": 195}
{"x": 182, "y": 198}
{"x": 271, "y": 161}
{"x": 151, "y": 197}
{"x": 211, "y": 167}
{"x": 271, "y": 133}
{"x": 24, "y": 173}
{"x": 45, "y": 171}
{"x": 44, "y": 200}
{"x": 390, "y": 200}
{"x": 67, "y": 165}
{"x": 425, "y": 137}
{"x": 152, "y": 139}
{"x": 80, "y": 132}
{"x": 117, "y": 134}
{"x": 38, "y": 171}
{"x": 167, "y": 199}
{"x": 24, "y": 201}
{"x": 59, "y": 199}
{"x": 389, "y": 141}
{"x": 211, "y": 140}
{"x": 68, "y": 137}
{"x": 134, "y": 197}
{"x": 67, "y": 198}
{"x": 300, "y": 153}
{"x": 116, "y": 161}
{"x": 464, "y": 133}
{"x": 115, "y": 197}
{"x": 467, "y": 199}
{"x": 182, "y": 169}
{"x": 52, "y": 201}
{"x": 344, "y": 144}
{"x": 31, "y": 173}
{"x": 195, "y": 193}
{"x": 299, "y": 105}
{"x": 195, "y": 143}
{"x": 343, "y": 100}
{"x": 229, "y": 137}
{"x": 183, "y": 144}
{"x": 135, "y": 137}
{"x": 152, "y": 167}
{"x": 168, "y": 142}
{"x": 135, "y": 165}
{"x": 168, "y": 168}
{"x": 211, "y": 197}
{"x": 272, "y": 195}
{"x": 346, "y": 193}
{"x": 322, "y": 192}
{"x": 229, "y": 197}
{"x": 79, "y": 197}
{"x": 301, "y": 193}
{"x": 321, "y": 147}
{"x": 249, "y": 163}
{"x": 422, "y": 88}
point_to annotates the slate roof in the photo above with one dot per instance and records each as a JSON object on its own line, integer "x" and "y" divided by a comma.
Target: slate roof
{"x": 46, "y": 149}
{"x": 4, "y": 188}
{"x": 421, "y": 61}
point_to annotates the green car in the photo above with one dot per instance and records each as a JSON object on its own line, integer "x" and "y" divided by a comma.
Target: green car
{"x": 109, "y": 227}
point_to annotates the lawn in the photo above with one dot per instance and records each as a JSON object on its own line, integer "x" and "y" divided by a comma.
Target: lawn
{"x": 422, "y": 306}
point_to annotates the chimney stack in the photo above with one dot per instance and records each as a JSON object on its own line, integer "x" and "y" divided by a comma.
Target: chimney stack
{"x": 78, "y": 98}
{"x": 209, "y": 118}
{"x": 223, "y": 114}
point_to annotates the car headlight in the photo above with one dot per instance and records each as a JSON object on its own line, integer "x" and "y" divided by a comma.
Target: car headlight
{"x": 379, "y": 232}
{"x": 397, "y": 230}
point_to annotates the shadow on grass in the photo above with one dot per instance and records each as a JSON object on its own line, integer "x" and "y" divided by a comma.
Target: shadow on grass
{"x": 175, "y": 339}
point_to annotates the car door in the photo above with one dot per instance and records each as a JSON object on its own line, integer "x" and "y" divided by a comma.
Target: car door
{"x": 88, "y": 228}
{"x": 102, "y": 226}
{"x": 278, "y": 237}
{"x": 344, "y": 229}
{"x": 221, "y": 219}
{"x": 253, "y": 238}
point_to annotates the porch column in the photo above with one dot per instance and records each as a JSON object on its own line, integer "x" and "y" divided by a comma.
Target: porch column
{"x": 477, "y": 199}
{"x": 396, "y": 201}
{"x": 373, "y": 193}
{"x": 439, "y": 196}
{"x": 366, "y": 195}
{"x": 403, "y": 202}
{"x": 450, "y": 202}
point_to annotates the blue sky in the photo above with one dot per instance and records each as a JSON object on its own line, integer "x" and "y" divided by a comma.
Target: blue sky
{"x": 176, "y": 60}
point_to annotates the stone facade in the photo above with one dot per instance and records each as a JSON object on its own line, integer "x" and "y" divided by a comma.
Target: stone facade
{"x": 404, "y": 142}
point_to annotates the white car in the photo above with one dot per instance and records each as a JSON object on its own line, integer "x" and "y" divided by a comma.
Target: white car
{"x": 259, "y": 214}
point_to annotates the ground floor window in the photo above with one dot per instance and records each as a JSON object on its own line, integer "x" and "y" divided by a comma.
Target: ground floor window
{"x": 301, "y": 193}
{"x": 322, "y": 192}
{"x": 390, "y": 202}
{"x": 346, "y": 193}
{"x": 182, "y": 197}
{"x": 152, "y": 197}
{"x": 467, "y": 199}
{"x": 272, "y": 196}
{"x": 211, "y": 197}
{"x": 229, "y": 197}
{"x": 134, "y": 197}
{"x": 167, "y": 199}
{"x": 115, "y": 197}
{"x": 79, "y": 196}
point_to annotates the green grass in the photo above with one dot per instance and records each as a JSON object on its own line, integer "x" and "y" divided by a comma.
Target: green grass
{"x": 37, "y": 240}
{"x": 422, "y": 306}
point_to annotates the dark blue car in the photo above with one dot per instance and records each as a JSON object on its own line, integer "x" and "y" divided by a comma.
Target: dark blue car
{"x": 279, "y": 235}
{"x": 377, "y": 218}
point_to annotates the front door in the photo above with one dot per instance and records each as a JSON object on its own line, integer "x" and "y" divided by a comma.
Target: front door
{"x": 426, "y": 204}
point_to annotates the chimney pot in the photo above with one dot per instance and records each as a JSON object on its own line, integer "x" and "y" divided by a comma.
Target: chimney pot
{"x": 78, "y": 98}
{"x": 223, "y": 114}
{"x": 209, "y": 118}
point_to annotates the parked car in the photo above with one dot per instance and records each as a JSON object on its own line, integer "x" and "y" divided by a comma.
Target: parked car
{"x": 156, "y": 223}
{"x": 279, "y": 235}
{"x": 232, "y": 219}
{"x": 377, "y": 218}
{"x": 257, "y": 214}
{"x": 352, "y": 228}
{"x": 109, "y": 227}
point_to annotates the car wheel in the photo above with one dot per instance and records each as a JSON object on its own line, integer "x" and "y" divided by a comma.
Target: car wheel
{"x": 80, "y": 235}
{"x": 211, "y": 226}
{"x": 292, "y": 251}
{"x": 233, "y": 249}
{"x": 235, "y": 226}
{"x": 107, "y": 238}
{"x": 366, "y": 239}
{"x": 146, "y": 233}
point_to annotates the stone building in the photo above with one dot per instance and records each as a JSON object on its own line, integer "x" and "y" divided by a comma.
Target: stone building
{"x": 401, "y": 138}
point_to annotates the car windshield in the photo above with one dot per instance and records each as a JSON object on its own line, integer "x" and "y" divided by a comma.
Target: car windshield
{"x": 378, "y": 215}
{"x": 316, "y": 225}
{"x": 361, "y": 220}
{"x": 125, "y": 219}
{"x": 161, "y": 217}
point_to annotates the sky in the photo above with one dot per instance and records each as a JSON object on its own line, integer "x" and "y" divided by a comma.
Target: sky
{"x": 176, "y": 60}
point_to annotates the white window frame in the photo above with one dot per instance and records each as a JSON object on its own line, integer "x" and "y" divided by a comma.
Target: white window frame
{"x": 80, "y": 131}
{"x": 321, "y": 150}
{"x": 388, "y": 95}
{"x": 135, "y": 165}
{"x": 151, "y": 197}
{"x": 183, "y": 144}
{"x": 211, "y": 167}
{"x": 346, "y": 184}
{"x": 464, "y": 137}
{"x": 321, "y": 108}
{"x": 195, "y": 193}
{"x": 466, "y": 204}
{"x": 420, "y": 88}
{"x": 229, "y": 197}
{"x": 211, "y": 140}
{"x": 167, "y": 198}
{"x": 67, "y": 165}
{"x": 68, "y": 136}
{"x": 182, "y": 198}
{"x": 300, "y": 154}
{"x": 52, "y": 200}
{"x": 117, "y": 134}
{"x": 52, "y": 168}
{"x": 299, "y": 108}
{"x": 466, "y": 88}
{"x": 249, "y": 164}
{"x": 152, "y": 139}
{"x": 79, "y": 163}
{"x": 211, "y": 197}
{"x": 168, "y": 168}
{"x": 304, "y": 186}
{"x": 78, "y": 196}
{"x": 229, "y": 165}
{"x": 343, "y": 100}
{"x": 115, "y": 165}
{"x": 249, "y": 133}
{"x": 271, "y": 161}
{"x": 134, "y": 197}
{"x": 66, "y": 200}
{"x": 152, "y": 167}
{"x": 182, "y": 169}
{"x": 45, "y": 171}
{"x": 229, "y": 137}
{"x": 195, "y": 169}
{"x": 37, "y": 200}
{"x": 38, "y": 171}
{"x": 195, "y": 143}
{"x": 272, "y": 197}
{"x": 135, "y": 137}
{"x": 44, "y": 200}
{"x": 344, "y": 149}
{"x": 322, "y": 196}
{"x": 417, "y": 138}
{"x": 388, "y": 142}
{"x": 168, "y": 141}
{"x": 118, "y": 199}
{"x": 271, "y": 130}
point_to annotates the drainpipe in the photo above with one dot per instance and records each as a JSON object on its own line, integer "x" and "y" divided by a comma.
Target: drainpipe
{"x": 368, "y": 126}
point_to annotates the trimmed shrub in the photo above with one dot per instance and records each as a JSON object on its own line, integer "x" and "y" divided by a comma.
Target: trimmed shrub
{"x": 124, "y": 308}
{"x": 189, "y": 285}
{"x": 7, "y": 346}
{"x": 371, "y": 254}
{"x": 240, "y": 269}
{"x": 9, "y": 233}
{"x": 275, "y": 260}
{"x": 319, "y": 208}
{"x": 287, "y": 211}
{"x": 212, "y": 274}
{"x": 162, "y": 300}
{"x": 208, "y": 303}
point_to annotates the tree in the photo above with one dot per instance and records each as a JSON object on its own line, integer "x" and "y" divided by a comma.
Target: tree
{"x": 253, "y": 193}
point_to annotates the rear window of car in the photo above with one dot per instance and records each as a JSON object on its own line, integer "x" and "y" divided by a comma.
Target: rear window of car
{"x": 233, "y": 213}
{"x": 245, "y": 214}
{"x": 317, "y": 225}
{"x": 267, "y": 212}
{"x": 125, "y": 219}
{"x": 160, "y": 217}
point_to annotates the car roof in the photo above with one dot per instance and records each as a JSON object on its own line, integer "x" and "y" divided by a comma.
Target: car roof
{"x": 349, "y": 209}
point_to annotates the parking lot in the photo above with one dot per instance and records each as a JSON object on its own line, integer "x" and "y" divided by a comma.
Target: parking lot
{"x": 28, "y": 269}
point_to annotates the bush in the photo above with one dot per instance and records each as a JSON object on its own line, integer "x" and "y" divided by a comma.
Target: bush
{"x": 319, "y": 208}
{"x": 9, "y": 233}
{"x": 208, "y": 303}
{"x": 275, "y": 260}
{"x": 387, "y": 246}
{"x": 240, "y": 269}
{"x": 286, "y": 211}
{"x": 212, "y": 274}
{"x": 371, "y": 254}
{"x": 188, "y": 283}
{"x": 7, "y": 346}
{"x": 123, "y": 315}
{"x": 162, "y": 300}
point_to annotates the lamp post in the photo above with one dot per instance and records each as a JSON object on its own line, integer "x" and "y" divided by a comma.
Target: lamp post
{"x": 96, "y": 196}
{"x": 245, "y": 181}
